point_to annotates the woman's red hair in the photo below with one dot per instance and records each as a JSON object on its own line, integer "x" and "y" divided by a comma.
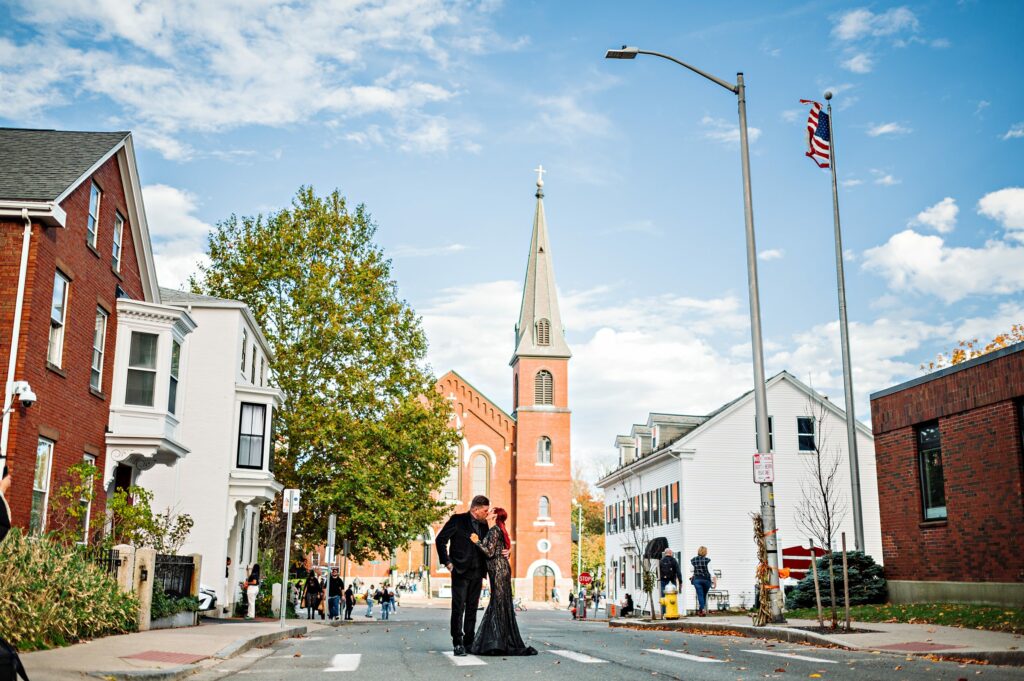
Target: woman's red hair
{"x": 501, "y": 516}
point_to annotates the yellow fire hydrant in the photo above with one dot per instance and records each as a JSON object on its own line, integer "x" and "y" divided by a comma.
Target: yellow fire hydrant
{"x": 670, "y": 602}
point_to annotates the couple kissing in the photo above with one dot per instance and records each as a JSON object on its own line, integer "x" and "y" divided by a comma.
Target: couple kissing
{"x": 471, "y": 545}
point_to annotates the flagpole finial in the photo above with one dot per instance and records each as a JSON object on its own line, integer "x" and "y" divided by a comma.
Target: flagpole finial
{"x": 828, "y": 95}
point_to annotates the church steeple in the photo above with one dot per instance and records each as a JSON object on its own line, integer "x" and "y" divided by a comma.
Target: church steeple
{"x": 539, "y": 332}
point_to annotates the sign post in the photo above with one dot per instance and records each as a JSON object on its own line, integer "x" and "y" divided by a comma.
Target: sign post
{"x": 289, "y": 504}
{"x": 764, "y": 468}
{"x": 332, "y": 523}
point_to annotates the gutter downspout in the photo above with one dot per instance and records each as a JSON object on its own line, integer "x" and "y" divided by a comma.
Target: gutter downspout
{"x": 15, "y": 336}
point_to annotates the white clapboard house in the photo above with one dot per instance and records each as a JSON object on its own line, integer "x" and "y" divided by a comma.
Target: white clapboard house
{"x": 689, "y": 479}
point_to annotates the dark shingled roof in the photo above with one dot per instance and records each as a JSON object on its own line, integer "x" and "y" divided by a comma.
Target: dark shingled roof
{"x": 38, "y": 165}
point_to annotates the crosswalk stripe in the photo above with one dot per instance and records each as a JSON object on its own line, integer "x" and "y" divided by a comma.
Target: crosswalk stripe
{"x": 464, "y": 661}
{"x": 791, "y": 656}
{"x": 578, "y": 657}
{"x": 681, "y": 656}
{"x": 345, "y": 662}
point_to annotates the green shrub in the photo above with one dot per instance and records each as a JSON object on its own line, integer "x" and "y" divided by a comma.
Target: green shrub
{"x": 51, "y": 596}
{"x": 867, "y": 582}
{"x": 165, "y": 605}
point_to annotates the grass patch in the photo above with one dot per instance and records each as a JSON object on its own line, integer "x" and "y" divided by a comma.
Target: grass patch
{"x": 985, "y": 617}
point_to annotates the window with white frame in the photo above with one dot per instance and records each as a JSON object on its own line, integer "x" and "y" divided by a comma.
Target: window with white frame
{"x": 805, "y": 433}
{"x": 250, "y": 435}
{"x": 262, "y": 374}
{"x": 172, "y": 390}
{"x": 140, "y": 387}
{"x": 93, "y": 226}
{"x": 245, "y": 346}
{"x": 544, "y": 450}
{"x": 252, "y": 370}
{"x": 99, "y": 340}
{"x": 544, "y": 508}
{"x": 41, "y": 486}
{"x": 58, "y": 316}
{"x": 115, "y": 255}
{"x": 771, "y": 434}
{"x": 481, "y": 475}
{"x": 86, "y": 499}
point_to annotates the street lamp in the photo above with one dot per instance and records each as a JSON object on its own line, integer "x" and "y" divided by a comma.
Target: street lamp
{"x": 760, "y": 394}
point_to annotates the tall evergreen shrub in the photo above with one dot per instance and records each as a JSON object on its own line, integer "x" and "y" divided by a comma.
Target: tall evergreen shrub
{"x": 867, "y": 582}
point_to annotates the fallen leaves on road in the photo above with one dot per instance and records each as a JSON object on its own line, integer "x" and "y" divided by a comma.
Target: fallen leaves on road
{"x": 780, "y": 670}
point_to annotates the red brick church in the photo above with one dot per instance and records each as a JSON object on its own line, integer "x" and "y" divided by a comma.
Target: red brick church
{"x": 522, "y": 460}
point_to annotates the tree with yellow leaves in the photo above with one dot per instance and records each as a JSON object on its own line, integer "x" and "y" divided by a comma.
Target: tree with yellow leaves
{"x": 969, "y": 349}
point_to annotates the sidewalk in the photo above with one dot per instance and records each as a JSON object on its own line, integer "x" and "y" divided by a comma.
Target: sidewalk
{"x": 896, "y": 638}
{"x": 165, "y": 654}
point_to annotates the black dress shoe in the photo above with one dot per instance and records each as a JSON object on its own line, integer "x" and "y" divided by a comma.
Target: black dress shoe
{"x": 460, "y": 651}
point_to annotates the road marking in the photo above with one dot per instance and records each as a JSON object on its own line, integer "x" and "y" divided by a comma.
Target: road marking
{"x": 791, "y": 656}
{"x": 578, "y": 657}
{"x": 464, "y": 661}
{"x": 682, "y": 656}
{"x": 345, "y": 662}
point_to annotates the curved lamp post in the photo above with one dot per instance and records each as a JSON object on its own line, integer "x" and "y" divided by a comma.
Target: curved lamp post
{"x": 760, "y": 395}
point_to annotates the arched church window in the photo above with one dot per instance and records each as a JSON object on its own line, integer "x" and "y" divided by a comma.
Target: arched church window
{"x": 544, "y": 388}
{"x": 544, "y": 508}
{"x": 543, "y": 332}
{"x": 544, "y": 449}
{"x": 481, "y": 475}
{"x": 452, "y": 488}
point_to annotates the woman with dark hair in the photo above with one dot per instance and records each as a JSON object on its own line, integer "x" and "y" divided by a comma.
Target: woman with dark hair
{"x": 252, "y": 590}
{"x": 312, "y": 591}
{"x": 498, "y": 633}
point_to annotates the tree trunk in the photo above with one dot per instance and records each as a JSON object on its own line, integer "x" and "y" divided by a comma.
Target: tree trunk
{"x": 832, "y": 591}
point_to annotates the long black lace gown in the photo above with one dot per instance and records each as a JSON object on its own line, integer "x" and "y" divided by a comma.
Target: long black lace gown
{"x": 498, "y": 633}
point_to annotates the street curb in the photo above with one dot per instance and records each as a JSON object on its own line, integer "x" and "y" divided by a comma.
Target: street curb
{"x": 1014, "y": 658}
{"x": 229, "y": 651}
{"x": 243, "y": 644}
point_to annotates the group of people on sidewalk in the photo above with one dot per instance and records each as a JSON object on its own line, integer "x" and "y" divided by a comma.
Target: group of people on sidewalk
{"x": 327, "y": 596}
{"x": 669, "y": 573}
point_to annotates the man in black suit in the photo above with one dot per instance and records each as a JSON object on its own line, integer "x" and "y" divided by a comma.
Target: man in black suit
{"x": 467, "y": 566}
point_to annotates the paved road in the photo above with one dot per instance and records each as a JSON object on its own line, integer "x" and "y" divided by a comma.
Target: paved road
{"x": 415, "y": 645}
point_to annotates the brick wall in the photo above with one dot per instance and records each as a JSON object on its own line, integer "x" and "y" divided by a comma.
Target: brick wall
{"x": 68, "y": 411}
{"x": 977, "y": 408}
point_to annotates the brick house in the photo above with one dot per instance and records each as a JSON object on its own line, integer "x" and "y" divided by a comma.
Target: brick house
{"x": 950, "y": 456}
{"x": 73, "y": 243}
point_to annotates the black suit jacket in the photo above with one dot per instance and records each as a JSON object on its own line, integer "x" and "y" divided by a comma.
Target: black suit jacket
{"x": 454, "y": 546}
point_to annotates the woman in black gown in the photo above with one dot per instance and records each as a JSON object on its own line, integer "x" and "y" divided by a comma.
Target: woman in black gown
{"x": 498, "y": 633}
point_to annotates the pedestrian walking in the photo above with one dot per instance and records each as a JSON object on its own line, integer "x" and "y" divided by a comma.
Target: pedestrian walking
{"x": 369, "y": 601}
{"x": 252, "y": 590}
{"x": 668, "y": 570}
{"x": 335, "y": 587}
{"x": 572, "y": 603}
{"x": 701, "y": 579}
{"x": 312, "y": 592}
{"x": 385, "y": 604}
{"x": 350, "y": 602}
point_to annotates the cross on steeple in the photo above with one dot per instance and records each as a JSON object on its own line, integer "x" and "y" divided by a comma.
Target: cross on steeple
{"x": 540, "y": 175}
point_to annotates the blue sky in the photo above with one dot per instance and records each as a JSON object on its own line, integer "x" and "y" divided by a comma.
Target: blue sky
{"x": 434, "y": 114}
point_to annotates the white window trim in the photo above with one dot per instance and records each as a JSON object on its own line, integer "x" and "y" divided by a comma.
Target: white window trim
{"x": 49, "y": 481}
{"x": 101, "y": 350}
{"x": 155, "y": 370}
{"x": 95, "y": 218}
{"x": 245, "y": 349}
{"x": 87, "y": 458}
{"x": 60, "y": 330}
{"x": 117, "y": 250}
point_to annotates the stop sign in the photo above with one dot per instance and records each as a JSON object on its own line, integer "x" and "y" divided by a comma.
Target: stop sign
{"x": 586, "y": 578}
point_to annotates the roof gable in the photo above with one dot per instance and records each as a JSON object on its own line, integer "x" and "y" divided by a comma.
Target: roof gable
{"x": 488, "y": 411}
{"x": 43, "y": 165}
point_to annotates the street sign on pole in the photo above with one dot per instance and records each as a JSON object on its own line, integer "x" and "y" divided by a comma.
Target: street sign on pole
{"x": 289, "y": 505}
{"x": 764, "y": 468}
{"x": 332, "y": 523}
{"x": 586, "y": 578}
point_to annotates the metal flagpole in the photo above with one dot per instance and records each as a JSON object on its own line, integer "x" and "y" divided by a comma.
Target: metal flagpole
{"x": 844, "y": 333}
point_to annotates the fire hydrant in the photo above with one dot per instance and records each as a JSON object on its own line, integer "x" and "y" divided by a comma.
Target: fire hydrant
{"x": 670, "y": 602}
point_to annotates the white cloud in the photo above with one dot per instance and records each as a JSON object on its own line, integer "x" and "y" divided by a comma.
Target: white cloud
{"x": 941, "y": 217}
{"x": 891, "y": 128}
{"x": 1016, "y": 131}
{"x": 565, "y": 116}
{"x": 771, "y": 254}
{"x": 1005, "y": 206}
{"x": 925, "y": 264}
{"x": 863, "y": 23}
{"x": 982, "y": 105}
{"x": 793, "y": 115}
{"x": 852, "y": 182}
{"x": 178, "y": 235}
{"x": 725, "y": 132}
{"x": 941, "y": 43}
{"x": 859, "y": 63}
{"x": 885, "y": 179}
{"x": 407, "y": 251}
{"x": 175, "y": 67}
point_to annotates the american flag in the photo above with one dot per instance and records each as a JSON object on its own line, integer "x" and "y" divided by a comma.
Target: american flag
{"x": 819, "y": 141}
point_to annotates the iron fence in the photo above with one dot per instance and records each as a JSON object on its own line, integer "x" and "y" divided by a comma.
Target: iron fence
{"x": 108, "y": 560}
{"x": 174, "y": 574}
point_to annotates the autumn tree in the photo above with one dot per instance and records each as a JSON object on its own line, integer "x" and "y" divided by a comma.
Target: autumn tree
{"x": 362, "y": 431}
{"x": 593, "y": 526}
{"x": 969, "y": 349}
